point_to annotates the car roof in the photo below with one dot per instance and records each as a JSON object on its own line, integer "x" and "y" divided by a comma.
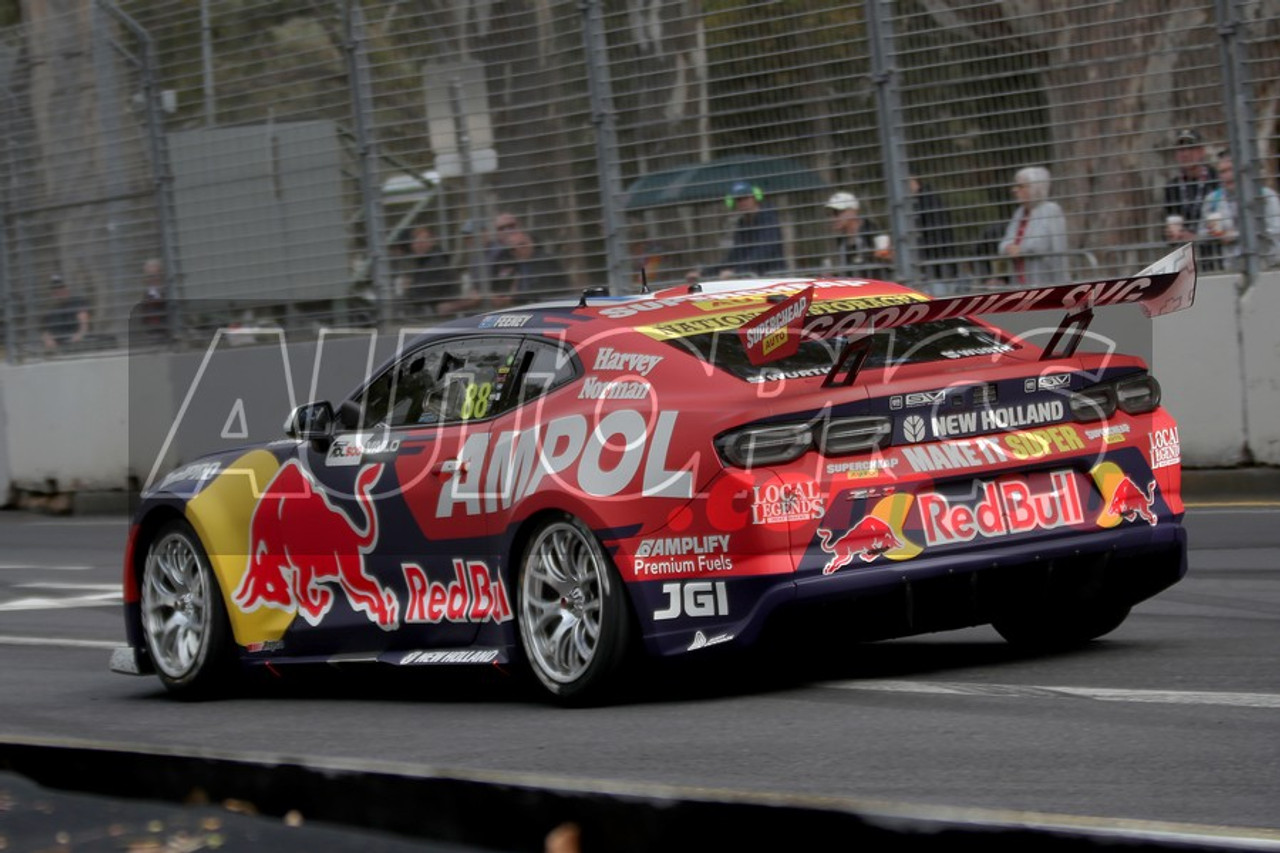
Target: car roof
{"x": 708, "y": 306}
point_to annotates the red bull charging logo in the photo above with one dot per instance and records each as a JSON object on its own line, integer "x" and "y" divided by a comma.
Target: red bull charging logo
{"x": 1129, "y": 502}
{"x": 301, "y": 546}
{"x": 1122, "y": 498}
{"x": 866, "y": 541}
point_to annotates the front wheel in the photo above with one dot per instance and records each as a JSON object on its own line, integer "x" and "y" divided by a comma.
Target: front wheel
{"x": 184, "y": 620}
{"x": 575, "y": 625}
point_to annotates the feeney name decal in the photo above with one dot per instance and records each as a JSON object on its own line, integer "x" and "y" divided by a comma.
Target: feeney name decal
{"x": 570, "y": 450}
{"x": 475, "y": 595}
{"x": 1007, "y": 507}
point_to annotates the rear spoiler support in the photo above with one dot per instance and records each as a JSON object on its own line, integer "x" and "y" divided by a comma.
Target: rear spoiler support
{"x": 1068, "y": 335}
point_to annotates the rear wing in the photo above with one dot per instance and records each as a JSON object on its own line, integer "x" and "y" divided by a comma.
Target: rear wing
{"x": 1166, "y": 286}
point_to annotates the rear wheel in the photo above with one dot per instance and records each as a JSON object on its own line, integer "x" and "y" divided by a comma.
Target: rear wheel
{"x": 575, "y": 625}
{"x": 1061, "y": 627}
{"x": 184, "y": 620}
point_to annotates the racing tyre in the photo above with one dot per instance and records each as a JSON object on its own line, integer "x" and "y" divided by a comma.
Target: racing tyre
{"x": 1061, "y": 627}
{"x": 575, "y": 625}
{"x": 184, "y": 619}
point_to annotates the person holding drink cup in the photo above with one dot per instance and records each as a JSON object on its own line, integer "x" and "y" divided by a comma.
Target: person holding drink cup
{"x": 1185, "y": 192}
{"x": 860, "y": 250}
{"x": 1222, "y": 211}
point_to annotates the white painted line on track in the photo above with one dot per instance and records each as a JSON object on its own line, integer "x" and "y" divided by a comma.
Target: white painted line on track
{"x": 97, "y": 599}
{"x": 31, "y": 568}
{"x": 96, "y": 587}
{"x": 121, "y": 520}
{"x": 59, "y": 641}
{"x": 1165, "y": 697}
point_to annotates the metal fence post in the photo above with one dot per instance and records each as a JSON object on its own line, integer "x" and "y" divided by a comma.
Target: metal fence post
{"x": 6, "y": 288}
{"x": 602, "y": 116}
{"x": 1235, "y": 104}
{"x": 162, "y": 173}
{"x": 888, "y": 112}
{"x": 367, "y": 152}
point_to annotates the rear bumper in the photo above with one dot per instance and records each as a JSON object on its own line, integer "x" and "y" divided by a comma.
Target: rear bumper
{"x": 925, "y": 594}
{"x": 943, "y": 593}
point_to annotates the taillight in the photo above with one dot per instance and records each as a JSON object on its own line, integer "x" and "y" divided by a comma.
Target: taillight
{"x": 754, "y": 446}
{"x": 1138, "y": 395}
{"x": 846, "y": 436}
{"x": 771, "y": 445}
{"x": 1134, "y": 395}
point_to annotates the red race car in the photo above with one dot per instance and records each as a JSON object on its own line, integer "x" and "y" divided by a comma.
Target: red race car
{"x": 557, "y": 485}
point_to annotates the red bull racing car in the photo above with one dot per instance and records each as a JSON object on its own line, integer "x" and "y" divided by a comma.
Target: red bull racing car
{"x": 554, "y": 486}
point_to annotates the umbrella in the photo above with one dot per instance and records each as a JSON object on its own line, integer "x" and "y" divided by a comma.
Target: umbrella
{"x": 700, "y": 182}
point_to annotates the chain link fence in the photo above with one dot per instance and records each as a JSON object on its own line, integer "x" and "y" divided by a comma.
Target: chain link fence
{"x": 186, "y": 165}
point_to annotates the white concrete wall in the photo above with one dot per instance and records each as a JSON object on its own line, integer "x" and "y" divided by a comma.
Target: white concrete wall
{"x": 65, "y": 424}
{"x": 1260, "y": 323}
{"x": 1197, "y": 358}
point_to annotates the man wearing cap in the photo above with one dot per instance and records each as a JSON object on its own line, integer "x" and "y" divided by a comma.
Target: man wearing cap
{"x": 856, "y": 248}
{"x": 67, "y": 320}
{"x": 1185, "y": 192}
{"x": 757, "y": 239}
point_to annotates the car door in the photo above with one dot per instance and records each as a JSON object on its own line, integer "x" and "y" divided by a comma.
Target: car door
{"x": 430, "y": 418}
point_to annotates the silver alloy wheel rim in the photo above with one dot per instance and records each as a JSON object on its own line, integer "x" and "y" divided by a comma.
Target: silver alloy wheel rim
{"x": 561, "y": 597}
{"x": 175, "y": 605}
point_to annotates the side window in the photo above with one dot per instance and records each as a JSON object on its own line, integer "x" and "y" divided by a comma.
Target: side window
{"x": 470, "y": 380}
{"x": 398, "y": 396}
{"x": 463, "y": 379}
{"x": 543, "y": 366}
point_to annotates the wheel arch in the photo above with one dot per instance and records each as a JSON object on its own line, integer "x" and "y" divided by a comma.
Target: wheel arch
{"x": 523, "y": 533}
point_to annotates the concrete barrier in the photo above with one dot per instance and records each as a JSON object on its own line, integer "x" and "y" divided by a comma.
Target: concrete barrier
{"x": 1197, "y": 358}
{"x": 1260, "y": 338}
{"x": 66, "y": 424}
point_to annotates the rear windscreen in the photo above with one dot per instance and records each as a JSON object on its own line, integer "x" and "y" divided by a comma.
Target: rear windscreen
{"x": 937, "y": 341}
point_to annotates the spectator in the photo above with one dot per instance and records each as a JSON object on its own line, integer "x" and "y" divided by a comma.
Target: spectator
{"x": 757, "y": 237}
{"x": 855, "y": 238}
{"x": 932, "y": 222}
{"x": 933, "y": 225}
{"x": 505, "y": 228}
{"x": 1220, "y": 225}
{"x": 1185, "y": 192}
{"x": 1036, "y": 237}
{"x": 66, "y": 323}
{"x": 427, "y": 276}
{"x": 153, "y": 311}
{"x": 523, "y": 270}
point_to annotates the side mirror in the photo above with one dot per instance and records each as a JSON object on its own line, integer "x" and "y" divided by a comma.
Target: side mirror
{"x": 310, "y": 422}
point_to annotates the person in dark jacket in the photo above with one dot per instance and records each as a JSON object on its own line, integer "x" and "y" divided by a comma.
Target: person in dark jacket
{"x": 427, "y": 277}
{"x": 933, "y": 227}
{"x": 1184, "y": 196}
{"x": 757, "y": 239}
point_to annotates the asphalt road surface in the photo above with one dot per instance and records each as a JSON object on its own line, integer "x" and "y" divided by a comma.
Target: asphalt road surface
{"x": 1170, "y": 723}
